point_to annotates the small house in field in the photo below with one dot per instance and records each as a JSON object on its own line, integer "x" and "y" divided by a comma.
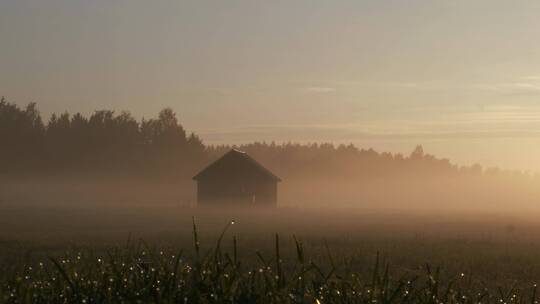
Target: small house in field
{"x": 236, "y": 179}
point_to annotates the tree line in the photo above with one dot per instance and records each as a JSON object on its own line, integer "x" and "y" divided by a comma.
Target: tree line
{"x": 107, "y": 143}
{"x": 103, "y": 143}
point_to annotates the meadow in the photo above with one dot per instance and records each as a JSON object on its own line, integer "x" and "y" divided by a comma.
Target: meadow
{"x": 90, "y": 250}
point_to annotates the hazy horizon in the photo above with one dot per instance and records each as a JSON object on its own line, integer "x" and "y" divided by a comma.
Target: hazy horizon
{"x": 461, "y": 78}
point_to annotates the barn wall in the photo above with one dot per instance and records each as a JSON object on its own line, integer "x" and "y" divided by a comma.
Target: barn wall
{"x": 236, "y": 192}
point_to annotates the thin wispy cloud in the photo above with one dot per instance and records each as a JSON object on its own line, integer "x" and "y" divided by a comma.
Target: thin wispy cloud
{"x": 319, "y": 90}
{"x": 532, "y": 78}
{"x": 520, "y": 88}
{"x": 497, "y": 123}
{"x": 354, "y": 135}
{"x": 528, "y": 85}
{"x": 523, "y": 86}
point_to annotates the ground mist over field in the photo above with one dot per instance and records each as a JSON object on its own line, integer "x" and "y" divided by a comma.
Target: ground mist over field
{"x": 486, "y": 232}
{"x": 440, "y": 194}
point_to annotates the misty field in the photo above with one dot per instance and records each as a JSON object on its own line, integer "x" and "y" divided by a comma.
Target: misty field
{"x": 91, "y": 253}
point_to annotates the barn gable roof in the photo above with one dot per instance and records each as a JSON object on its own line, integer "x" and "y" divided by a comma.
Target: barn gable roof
{"x": 235, "y": 163}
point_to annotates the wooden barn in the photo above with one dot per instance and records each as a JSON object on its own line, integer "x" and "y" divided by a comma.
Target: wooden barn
{"x": 236, "y": 179}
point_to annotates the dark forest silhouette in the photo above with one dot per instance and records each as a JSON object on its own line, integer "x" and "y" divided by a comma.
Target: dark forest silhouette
{"x": 116, "y": 144}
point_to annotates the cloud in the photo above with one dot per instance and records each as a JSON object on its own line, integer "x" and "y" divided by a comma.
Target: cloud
{"x": 531, "y": 78}
{"x": 523, "y": 86}
{"x": 319, "y": 90}
{"x": 467, "y": 127}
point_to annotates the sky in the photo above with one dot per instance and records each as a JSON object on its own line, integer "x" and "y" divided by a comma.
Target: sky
{"x": 460, "y": 77}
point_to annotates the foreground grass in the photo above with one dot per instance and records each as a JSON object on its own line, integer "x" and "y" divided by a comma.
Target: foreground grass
{"x": 138, "y": 273}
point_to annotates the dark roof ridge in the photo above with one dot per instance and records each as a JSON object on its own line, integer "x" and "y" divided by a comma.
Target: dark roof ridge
{"x": 244, "y": 156}
{"x": 236, "y": 150}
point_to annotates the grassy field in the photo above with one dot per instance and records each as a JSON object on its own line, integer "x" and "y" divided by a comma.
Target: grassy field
{"x": 144, "y": 253}
{"x": 139, "y": 273}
